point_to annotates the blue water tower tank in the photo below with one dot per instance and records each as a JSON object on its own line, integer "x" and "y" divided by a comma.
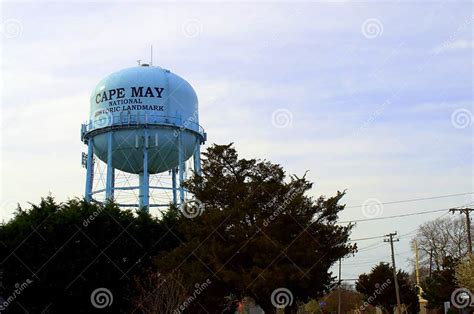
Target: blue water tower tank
{"x": 143, "y": 120}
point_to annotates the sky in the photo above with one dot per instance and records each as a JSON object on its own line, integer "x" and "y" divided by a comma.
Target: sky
{"x": 375, "y": 98}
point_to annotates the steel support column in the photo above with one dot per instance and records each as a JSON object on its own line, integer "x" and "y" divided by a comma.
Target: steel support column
{"x": 181, "y": 169}
{"x": 109, "y": 188}
{"x": 173, "y": 182}
{"x": 197, "y": 157}
{"x": 89, "y": 170}
{"x": 144, "y": 194}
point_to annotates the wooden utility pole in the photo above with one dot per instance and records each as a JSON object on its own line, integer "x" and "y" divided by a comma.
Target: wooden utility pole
{"x": 417, "y": 272}
{"x": 390, "y": 238}
{"x": 466, "y": 211}
{"x": 423, "y": 303}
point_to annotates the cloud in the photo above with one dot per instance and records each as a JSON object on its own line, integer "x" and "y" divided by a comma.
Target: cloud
{"x": 454, "y": 46}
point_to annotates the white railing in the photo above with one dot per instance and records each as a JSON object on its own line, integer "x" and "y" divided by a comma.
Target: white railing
{"x": 105, "y": 120}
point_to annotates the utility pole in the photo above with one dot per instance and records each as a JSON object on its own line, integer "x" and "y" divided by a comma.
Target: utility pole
{"x": 423, "y": 303}
{"x": 397, "y": 291}
{"x": 431, "y": 260}
{"x": 339, "y": 290}
{"x": 466, "y": 211}
{"x": 417, "y": 272}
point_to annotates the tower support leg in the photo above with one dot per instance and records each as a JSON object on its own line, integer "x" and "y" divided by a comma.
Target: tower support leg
{"x": 89, "y": 170}
{"x": 181, "y": 169}
{"x": 109, "y": 187}
{"x": 173, "y": 182}
{"x": 197, "y": 157}
{"x": 144, "y": 195}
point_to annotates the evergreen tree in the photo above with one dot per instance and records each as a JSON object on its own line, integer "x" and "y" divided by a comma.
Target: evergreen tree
{"x": 378, "y": 288}
{"x": 257, "y": 231}
{"x": 63, "y": 252}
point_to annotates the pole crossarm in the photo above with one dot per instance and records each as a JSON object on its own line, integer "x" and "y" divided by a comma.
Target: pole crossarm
{"x": 466, "y": 211}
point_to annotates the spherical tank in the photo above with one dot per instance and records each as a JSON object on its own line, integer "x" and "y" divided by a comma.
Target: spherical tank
{"x": 144, "y": 106}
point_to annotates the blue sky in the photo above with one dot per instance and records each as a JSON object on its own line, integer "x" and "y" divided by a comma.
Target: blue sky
{"x": 371, "y": 97}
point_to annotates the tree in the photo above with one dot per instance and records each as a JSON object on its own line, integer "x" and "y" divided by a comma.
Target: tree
{"x": 158, "y": 293}
{"x": 61, "y": 253}
{"x": 439, "y": 239}
{"x": 439, "y": 287}
{"x": 350, "y": 300}
{"x": 465, "y": 273}
{"x": 259, "y": 232}
{"x": 378, "y": 289}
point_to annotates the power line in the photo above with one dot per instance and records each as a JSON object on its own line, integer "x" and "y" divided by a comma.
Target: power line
{"x": 411, "y": 232}
{"x": 359, "y": 263}
{"x": 415, "y": 199}
{"x": 370, "y": 247}
{"x": 361, "y": 259}
{"x": 466, "y": 211}
{"x": 416, "y": 230}
{"x": 362, "y": 239}
{"x": 394, "y": 216}
{"x": 372, "y": 262}
{"x": 377, "y": 244}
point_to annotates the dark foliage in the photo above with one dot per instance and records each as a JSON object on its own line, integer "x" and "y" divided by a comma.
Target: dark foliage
{"x": 378, "y": 288}
{"x": 259, "y": 232}
{"x": 69, "y": 250}
{"x": 439, "y": 287}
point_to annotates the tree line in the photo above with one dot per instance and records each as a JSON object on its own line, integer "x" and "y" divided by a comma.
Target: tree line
{"x": 259, "y": 232}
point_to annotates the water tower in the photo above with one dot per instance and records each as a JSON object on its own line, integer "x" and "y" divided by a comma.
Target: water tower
{"x": 143, "y": 137}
